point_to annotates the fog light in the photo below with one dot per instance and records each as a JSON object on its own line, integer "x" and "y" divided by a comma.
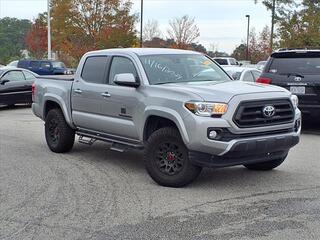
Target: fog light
{"x": 213, "y": 134}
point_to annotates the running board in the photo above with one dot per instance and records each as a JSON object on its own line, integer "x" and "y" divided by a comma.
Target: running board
{"x": 118, "y": 143}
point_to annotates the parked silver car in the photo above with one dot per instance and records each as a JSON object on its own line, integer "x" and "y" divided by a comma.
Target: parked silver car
{"x": 245, "y": 74}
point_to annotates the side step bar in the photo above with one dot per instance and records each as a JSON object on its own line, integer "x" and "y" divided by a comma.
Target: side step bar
{"x": 118, "y": 143}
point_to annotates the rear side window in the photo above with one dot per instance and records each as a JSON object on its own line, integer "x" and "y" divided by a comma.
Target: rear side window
{"x": 305, "y": 66}
{"x": 35, "y": 64}
{"x": 233, "y": 61}
{"x": 23, "y": 64}
{"x": 221, "y": 61}
{"x": 248, "y": 77}
{"x": 256, "y": 74}
{"x": 29, "y": 76}
{"x": 94, "y": 69}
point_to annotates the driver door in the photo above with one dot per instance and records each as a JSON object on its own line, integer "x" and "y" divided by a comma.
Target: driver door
{"x": 13, "y": 88}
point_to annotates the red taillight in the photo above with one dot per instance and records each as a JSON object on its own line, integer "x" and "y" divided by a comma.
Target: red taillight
{"x": 264, "y": 80}
{"x": 33, "y": 91}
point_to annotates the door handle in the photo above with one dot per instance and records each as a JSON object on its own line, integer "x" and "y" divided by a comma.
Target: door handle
{"x": 78, "y": 91}
{"x": 105, "y": 94}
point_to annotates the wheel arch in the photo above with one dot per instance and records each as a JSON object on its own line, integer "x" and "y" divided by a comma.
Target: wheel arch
{"x": 164, "y": 117}
{"x": 51, "y": 102}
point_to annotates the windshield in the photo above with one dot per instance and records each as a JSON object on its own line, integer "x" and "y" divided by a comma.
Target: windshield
{"x": 58, "y": 65}
{"x": 176, "y": 68}
{"x": 304, "y": 66}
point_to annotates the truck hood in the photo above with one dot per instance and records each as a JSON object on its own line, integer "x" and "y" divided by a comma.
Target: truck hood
{"x": 224, "y": 91}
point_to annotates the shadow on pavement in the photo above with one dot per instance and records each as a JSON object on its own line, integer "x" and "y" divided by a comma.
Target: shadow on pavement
{"x": 12, "y": 107}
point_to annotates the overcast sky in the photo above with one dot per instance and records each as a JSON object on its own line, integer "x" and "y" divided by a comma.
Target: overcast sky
{"x": 221, "y": 22}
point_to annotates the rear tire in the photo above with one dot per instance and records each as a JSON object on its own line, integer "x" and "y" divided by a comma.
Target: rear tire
{"x": 166, "y": 159}
{"x": 266, "y": 166}
{"x": 59, "y": 136}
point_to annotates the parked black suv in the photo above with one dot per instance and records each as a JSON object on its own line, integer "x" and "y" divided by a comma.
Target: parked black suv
{"x": 299, "y": 72}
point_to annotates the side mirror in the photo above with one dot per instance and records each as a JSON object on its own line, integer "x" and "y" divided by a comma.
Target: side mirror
{"x": 126, "y": 79}
{"x": 4, "y": 81}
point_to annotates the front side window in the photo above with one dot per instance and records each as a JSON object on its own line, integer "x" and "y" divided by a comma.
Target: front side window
{"x": 14, "y": 76}
{"x": 94, "y": 69}
{"x": 177, "y": 68}
{"x": 121, "y": 65}
{"x": 58, "y": 65}
{"x": 45, "y": 65}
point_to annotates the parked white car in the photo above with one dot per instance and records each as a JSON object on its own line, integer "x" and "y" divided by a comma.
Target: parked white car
{"x": 245, "y": 74}
{"x": 13, "y": 64}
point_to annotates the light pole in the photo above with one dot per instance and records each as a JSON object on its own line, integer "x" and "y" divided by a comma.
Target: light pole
{"x": 272, "y": 24}
{"x": 247, "y": 52}
{"x": 49, "y": 30}
{"x": 141, "y": 24}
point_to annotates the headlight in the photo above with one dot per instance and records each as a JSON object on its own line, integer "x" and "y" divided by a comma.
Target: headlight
{"x": 207, "y": 109}
{"x": 295, "y": 101}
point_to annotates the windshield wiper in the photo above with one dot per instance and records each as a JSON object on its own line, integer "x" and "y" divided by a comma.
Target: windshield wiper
{"x": 292, "y": 74}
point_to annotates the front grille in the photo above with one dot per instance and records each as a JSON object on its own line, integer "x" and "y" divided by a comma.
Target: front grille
{"x": 250, "y": 113}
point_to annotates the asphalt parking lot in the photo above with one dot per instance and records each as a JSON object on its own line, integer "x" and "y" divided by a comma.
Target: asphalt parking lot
{"x": 94, "y": 193}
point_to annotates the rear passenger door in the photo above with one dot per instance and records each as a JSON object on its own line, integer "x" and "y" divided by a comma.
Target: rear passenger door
{"x": 86, "y": 94}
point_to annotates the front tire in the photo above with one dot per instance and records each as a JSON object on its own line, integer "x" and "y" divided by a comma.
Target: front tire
{"x": 166, "y": 159}
{"x": 59, "y": 136}
{"x": 266, "y": 166}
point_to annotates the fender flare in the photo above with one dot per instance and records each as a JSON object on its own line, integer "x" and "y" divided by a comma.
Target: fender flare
{"x": 58, "y": 100}
{"x": 168, "y": 114}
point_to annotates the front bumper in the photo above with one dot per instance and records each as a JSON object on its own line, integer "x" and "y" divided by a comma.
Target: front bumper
{"x": 247, "y": 152}
{"x": 248, "y": 146}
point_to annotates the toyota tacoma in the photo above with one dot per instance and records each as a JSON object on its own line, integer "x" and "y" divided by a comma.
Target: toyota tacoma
{"x": 180, "y": 107}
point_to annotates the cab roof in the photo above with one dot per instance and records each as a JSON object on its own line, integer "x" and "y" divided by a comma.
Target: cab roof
{"x": 146, "y": 51}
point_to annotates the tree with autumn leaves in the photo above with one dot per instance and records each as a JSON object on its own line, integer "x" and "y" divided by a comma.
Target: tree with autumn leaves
{"x": 79, "y": 26}
{"x": 37, "y": 37}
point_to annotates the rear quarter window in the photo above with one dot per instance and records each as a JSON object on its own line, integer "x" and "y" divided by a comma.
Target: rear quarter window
{"x": 23, "y": 64}
{"x": 94, "y": 69}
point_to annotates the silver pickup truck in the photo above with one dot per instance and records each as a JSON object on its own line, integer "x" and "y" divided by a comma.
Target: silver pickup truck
{"x": 179, "y": 106}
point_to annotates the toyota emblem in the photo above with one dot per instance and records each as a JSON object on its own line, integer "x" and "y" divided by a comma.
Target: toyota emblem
{"x": 298, "y": 79}
{"x": 268, "y": 111}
